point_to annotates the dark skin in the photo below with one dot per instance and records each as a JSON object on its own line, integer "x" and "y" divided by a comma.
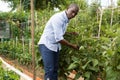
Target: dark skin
{"x": 71, "y": 13}
{"x": 65, "y": 42}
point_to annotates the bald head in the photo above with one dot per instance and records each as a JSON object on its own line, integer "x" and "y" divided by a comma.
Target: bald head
{"x": 74, "y": 5}
{"x": 72, "y": 11}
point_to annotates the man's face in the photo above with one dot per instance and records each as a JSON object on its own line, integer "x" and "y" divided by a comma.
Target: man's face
{"x": 71, "y": 12}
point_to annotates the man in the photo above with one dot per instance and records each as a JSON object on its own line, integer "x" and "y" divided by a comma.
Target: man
{"x": 52, "y": 38}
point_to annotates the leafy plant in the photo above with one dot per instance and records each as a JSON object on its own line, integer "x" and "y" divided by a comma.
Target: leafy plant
{"x": 8, "y": 75}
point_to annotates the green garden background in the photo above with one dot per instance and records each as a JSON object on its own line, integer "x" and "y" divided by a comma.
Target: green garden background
{"x": 99, "y": 37}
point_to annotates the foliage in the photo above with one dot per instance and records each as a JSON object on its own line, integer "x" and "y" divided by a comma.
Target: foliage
{"x": 18, "y": 22}
{"x": 97, "y": 56}
{"x": 118, "y": 2}
{"x": 14, "y": 50}
{"x": 43, "y": 4}
{"x": 5, "y": 15}
{"x": 7, "y": 75}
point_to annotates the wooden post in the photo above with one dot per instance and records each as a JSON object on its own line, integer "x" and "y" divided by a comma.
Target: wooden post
{"x": 112, "y": 4}
{"x": 16, "y": 41}
{"x": 101, "y": 13}
{"x": 30, "y": 46}
{"x": 13, "y": 43}
{"x": 32, "y": 35}
{"x": 23, "y": 45}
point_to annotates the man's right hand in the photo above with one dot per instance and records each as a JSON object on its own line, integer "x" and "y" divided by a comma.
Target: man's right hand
{"x": 75, "y": 46}
{"x": 65, "y": 42}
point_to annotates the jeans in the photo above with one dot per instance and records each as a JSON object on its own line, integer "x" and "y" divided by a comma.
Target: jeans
{"x": 50, "y": 62}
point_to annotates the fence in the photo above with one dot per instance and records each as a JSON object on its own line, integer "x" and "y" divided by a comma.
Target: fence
{"x": 19, "y": 49}
{"x": 14, "y": 43}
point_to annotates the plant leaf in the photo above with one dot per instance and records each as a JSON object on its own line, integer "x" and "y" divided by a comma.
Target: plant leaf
{"x": 95, "y": 62}
{"x": 73, "y": 66}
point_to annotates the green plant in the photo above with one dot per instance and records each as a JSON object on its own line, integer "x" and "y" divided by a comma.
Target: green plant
{"x": 8, "y": 75}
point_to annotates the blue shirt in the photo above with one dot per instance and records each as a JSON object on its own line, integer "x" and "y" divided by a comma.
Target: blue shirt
{"x": 54, "y": 31}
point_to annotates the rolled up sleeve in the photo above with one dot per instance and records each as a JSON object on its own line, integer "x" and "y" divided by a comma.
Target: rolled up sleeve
{"x": 58, "y": 25}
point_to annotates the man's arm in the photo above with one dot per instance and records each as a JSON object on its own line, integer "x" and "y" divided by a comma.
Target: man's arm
{"x": 65, "y": 42}
{"x": 72, "y": 33}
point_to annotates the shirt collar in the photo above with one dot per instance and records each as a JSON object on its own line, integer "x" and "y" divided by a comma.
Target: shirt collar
{"x": 65, "y": 17}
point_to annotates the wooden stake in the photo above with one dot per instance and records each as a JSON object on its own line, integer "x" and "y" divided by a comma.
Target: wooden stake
{"x": 101, "y": 10}
{"x": 32, "y": 35}
{"x": 112, "y": 4}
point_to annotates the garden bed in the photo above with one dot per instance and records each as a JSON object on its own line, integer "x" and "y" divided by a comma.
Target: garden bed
{"x": 6, "y": 74}
{"x": 24, "y": 71}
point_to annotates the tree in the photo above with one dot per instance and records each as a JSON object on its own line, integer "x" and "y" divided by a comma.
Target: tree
{"x": 118, "y": 2}
{"x": 43, "y": 4}
{"x": 39, "y": 4}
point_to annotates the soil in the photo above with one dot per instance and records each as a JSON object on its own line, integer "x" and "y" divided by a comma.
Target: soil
{"x": 29, "y": 71}
{"x": 25, "y": 69}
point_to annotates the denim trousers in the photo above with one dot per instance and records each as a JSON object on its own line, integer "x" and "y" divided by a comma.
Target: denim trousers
{"x": 50, "y": 62}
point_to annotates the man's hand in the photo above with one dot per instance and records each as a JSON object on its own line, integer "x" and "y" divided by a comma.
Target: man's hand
{"x": 65, "y": 42}
{"x": 75, "y": 33}
{"x": 72, "y": 33}
{"x": 75, "y": 46}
